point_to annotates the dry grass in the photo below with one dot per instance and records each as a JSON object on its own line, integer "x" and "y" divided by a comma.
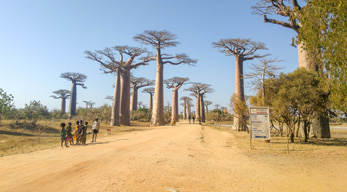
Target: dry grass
{"x": 280, "y": 145}
{"x": 16, "y": 138}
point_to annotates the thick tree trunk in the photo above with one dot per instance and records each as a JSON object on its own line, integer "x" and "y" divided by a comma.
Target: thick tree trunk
{"x": 303, "y": 57}
{"x": 320, "y": 127}
{"x": 176, "y": 107}
{"x": 116, "y": 101}
{"x": 133, "y": 101}
{"x": 150, "y": 102}
{"x": 158, "y": 103}
{"x": 174, "y": 110}
{"x": 306, "y": 125}
{"x": 62, "y": 105}
{"x": 197, "y": 111}
{"x": 189, "y": 111}
{"x": 125, "y": 99}
{"x": 185, "y": 110}
{"x": 238, "y": 88}
{"x": 73, "y": 99}
{"x": 206, "y": 109}
{"x": 202, "y": 108}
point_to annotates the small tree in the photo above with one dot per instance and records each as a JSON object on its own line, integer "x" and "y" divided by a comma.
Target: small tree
{"x": 240, "y": 107}
{"x": 261, "y": 71}
{"x": 160, "y": 40}
{"x": 6, "y": 103}
{"x": 175, "y": 83}
{"x": 76, "y": 79}
{"x": 35, "y": 111}
{"x": 61, "y": 94}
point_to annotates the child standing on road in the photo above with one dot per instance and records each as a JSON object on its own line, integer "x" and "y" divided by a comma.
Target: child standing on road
{"x": 69, "y": 134}
{"x": 76, "y": 132}
{"x": 84, "y": 134}
{"x": 63, "y": 134}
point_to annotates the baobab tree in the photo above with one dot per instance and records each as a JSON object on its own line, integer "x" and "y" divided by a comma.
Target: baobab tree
{"x": 160, "y": 40}
{"x": 243, "y": 50}
{"x": 261, "y": 71}
{"x": 77, "y": 79}
{"x": 89, "y": 103}
{"x": 86, "y": 102}
{"x": 207, "y": 103}
{"x": 175, "y": 84}
{"x": 291, "y": 11}
{"x": 136, "y": 84}
{"x": 61, "y": 94}
{"x": 185, "y": 100}
{"x": 121, "y": 97}
{"x": 109, "y": 97}
{"x": 199, "y": 90}
{"x": 150, "y": 91}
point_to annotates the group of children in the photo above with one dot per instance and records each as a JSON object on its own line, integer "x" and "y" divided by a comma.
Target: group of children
{"x": 80, "y": 134}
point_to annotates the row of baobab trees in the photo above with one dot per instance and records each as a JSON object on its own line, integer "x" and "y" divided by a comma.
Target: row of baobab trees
{"x": 121, "y": 60}
{"x": 174, "y": 83}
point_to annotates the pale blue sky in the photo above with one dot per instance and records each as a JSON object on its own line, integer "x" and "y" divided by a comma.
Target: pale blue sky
{"x": 40, "y": 39}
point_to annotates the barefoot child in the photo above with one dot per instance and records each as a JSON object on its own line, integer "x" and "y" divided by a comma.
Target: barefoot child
{"x": 76, "y": 131}
{"x": 84, "y": 134}
{"x": 69, "y": 134}
{"x": 63, "y": 134}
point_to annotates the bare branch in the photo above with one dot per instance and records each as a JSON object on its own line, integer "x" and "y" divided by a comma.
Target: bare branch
{"x": 157, "y": 39}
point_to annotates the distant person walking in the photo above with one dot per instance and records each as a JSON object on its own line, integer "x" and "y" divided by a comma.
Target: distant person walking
{"x": 63, "y": 135}
{"x": 69, "y": 136}
{"x": 76, "y": 132}
{"x": 193, "y": 118}
{"x": 95, "y": 129}
{"x": 189, "y": 117}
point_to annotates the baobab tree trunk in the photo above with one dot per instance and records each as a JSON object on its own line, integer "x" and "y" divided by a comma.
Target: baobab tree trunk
{"x": 202, "y": 108}
{"x": 238, "y": 88}
{"x": 176, "y": 107}
{"x": 150, "y": 102}
{"x": 62, "y": 105}
{"x": 116, "y": 101}
{"x": 184, "y": 110}
{"x": 174, "y": 110}
{"x": 158, "y": 104}
{"x": 73, "y": 99}
{"x": 303, "y": 57}
{"x": 197, "y": 111}
{"x": 320, "y": 127}
{"x": 125, "y": 98}
{"x": 133, "y": 102}
{"x": 188, "y": 110}
{"x": 206, "y": 109}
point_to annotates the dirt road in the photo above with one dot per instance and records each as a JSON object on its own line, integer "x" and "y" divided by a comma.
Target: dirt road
{"x": 183, "y": 158}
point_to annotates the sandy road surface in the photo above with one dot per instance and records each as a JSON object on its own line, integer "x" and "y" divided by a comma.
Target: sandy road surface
{"x": 182, "y": 158}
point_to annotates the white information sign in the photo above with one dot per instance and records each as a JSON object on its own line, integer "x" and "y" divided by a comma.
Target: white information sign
{"x": 259, "y": 119}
